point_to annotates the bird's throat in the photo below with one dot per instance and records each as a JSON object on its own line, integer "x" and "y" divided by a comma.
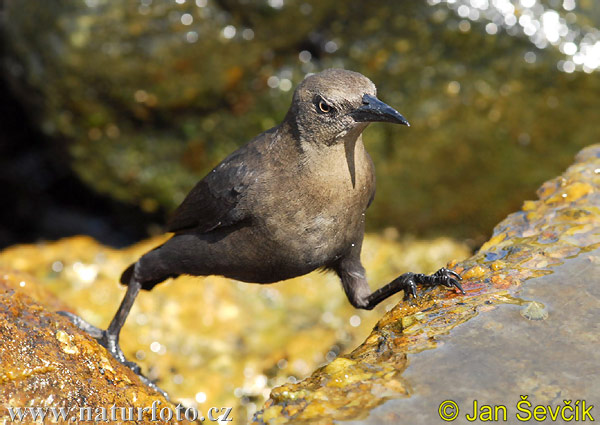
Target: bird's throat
{"x": 349, "y": 149}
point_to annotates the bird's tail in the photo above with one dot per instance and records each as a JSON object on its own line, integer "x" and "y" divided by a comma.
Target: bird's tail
{"x": 127, "y": 274}
{"x": 147, "y": 271}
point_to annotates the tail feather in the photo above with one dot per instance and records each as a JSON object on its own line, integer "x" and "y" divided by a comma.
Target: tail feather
{"x": 127, "y": 274}
{"x": 148, "y": 272}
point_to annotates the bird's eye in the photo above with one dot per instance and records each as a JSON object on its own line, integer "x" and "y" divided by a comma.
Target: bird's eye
{"x": 324, "y": 107}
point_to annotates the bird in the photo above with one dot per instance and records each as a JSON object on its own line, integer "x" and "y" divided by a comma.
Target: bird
{"x": 290, "y": 201}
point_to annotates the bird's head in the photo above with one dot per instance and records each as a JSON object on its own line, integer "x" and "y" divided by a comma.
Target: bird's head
{"x": 334, "y": 103}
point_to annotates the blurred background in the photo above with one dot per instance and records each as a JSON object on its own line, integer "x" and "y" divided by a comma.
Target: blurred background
{"x": 111, "y": 111}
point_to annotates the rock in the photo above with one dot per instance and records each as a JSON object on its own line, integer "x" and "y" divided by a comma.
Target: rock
{"x": 211, "y": 341}
{"x": 214, "y": 342}
{"x": 563, "y": 224}
{"x": 534, "y": 311}
{"x": 47, "y": 362}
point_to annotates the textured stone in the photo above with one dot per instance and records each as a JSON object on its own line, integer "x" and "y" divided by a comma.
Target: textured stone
{"x": 563, "y": 223}
{"x": 45, "y": 361}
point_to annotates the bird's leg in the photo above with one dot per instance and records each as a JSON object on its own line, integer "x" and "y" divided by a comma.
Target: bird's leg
{"x": 408, "y": 283}
{"x": 357, "y": 289}
{"x": 109, "y": 338}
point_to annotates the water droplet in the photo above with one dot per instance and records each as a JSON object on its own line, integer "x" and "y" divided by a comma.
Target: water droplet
{"x": 229, "y": 32}
{"x": 155, "y": 347}
{"x": 331, "y": 46}
{"x": 187, "y": 19}
{"x": 304, "y": 56}
{"x": 285, "y": 84}
{"x": 191, "y": 36}
{"x": 276, "y": 4}
{"x": 248, "y": 34}
{"x": 355, "y": 321}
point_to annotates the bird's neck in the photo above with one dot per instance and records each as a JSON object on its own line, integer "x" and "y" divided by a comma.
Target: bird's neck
{"x": 314, "y": 144}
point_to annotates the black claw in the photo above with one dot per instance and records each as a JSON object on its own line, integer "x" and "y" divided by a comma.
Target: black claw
{"x": 413, "y": 288}
{"x": 104, "y": 338}
{"x": 457, "y": 284}
{"x": 453, "y": 273}
{"x": 443, "y": 276}
{"x": 88, "y": 328}
{"x": 450, "y": 278}
{"x": 445, "y": 272}
{"x": 408, "y": 283}
{"x": 409, "y": 286}
{"x": 133, "y": 366}
{"x": 155, "y": 387}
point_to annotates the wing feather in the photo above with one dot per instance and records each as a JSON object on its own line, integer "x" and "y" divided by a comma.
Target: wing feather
{"x": 215, "y": 200}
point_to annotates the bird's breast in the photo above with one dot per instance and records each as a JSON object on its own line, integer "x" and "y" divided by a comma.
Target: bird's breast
{"x": 317, "y": 213}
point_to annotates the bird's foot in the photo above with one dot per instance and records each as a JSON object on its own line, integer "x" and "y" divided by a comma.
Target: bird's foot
{"x": 111, "y": 343}
{"x": 443, "y": 276}
{"x": 104, "y": 338}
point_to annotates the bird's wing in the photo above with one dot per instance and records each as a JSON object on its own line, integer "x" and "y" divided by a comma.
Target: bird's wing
{"x": 215, "y": 200}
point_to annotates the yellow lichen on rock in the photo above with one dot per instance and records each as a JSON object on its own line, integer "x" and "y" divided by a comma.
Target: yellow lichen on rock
{"x": 215, "y": 342}
{"x": 47, "y": 362}
{"x": 212, "y": 341}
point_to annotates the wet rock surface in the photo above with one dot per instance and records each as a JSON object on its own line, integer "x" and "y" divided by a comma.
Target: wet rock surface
{"x": 46, "y": 362}
{"x": 499, "y": 355}
{"x": 211, "y": 341}
{"x": 537, "y": 241}
{"x": 215, "y": 342}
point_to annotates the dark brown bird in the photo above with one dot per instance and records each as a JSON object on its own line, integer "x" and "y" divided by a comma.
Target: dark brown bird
{"x": 290, "y": 201}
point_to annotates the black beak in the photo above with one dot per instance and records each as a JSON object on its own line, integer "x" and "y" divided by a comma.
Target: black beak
{"x": 374, "y": 110}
